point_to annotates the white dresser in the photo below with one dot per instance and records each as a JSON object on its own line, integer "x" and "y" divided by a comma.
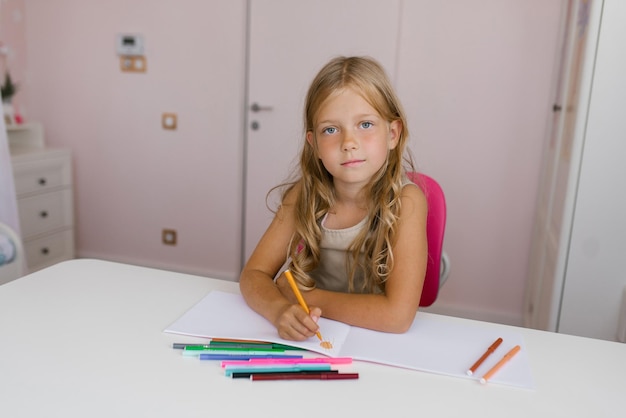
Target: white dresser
{"x": 43, "y": 184}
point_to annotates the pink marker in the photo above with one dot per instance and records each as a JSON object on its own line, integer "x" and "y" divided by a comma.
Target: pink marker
{"x": 273, "y": 361}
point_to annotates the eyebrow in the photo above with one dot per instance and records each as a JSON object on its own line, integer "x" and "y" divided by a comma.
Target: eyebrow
{"x": 361, "y": 116}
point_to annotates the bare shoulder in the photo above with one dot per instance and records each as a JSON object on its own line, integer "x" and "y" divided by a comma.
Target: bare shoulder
{"x": 288, "y": 202}
{"x": 413, "y": 201}
{"x": 292, "y": 194}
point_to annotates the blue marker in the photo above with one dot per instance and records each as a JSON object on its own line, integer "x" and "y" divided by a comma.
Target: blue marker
{"x": 204, "y": 356}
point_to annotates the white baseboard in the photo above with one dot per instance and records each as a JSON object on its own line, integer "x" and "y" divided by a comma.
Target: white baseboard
{"x": 161, "y": 266}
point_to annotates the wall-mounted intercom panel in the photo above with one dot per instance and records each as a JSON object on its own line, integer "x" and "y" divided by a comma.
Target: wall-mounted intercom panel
{"x": 129, "y": 44}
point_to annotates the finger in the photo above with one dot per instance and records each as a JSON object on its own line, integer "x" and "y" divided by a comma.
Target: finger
{"x": 315, "y": 313}
{"x": 295, "y": 331}
{"x": 295, "y": 324}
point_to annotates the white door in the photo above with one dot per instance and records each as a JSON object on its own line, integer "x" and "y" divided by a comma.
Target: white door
{"x": 289, "y": 42}
{"x": 559, "y": 170}
{"x": 595, "y": 281}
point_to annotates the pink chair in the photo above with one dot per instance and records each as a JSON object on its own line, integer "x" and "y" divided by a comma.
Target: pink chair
{"x": 438, "y": 266}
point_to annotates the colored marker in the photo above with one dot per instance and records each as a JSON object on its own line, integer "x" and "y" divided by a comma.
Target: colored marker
{"x": 301, "y": 300}
{"x": 234, "y": 344}
{"x": 480, "y": 361}
{"x": 240, "y": 344}
{"x": 276, "y": 368}
{"x": 508, "y": 356}
{"x": 197, "y": 353}
{"x": 237, "y": 340}
{"x": 312, "y": 376}
{"x": 224, "y": 356}
{"x": 231, "y": 341}
{"x": 237, "y": 375}
{"x": 328, "y": 360}
{"x": 182, "y": 346}
{"x": 234, "y": 349}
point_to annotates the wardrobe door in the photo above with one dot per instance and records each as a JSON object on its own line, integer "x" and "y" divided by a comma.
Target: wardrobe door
{"x": 595, "y": 281}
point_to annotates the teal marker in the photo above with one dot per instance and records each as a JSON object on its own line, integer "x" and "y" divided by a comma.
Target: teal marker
{"x": 251, "y": 344}
{"x": 228, "y": 370}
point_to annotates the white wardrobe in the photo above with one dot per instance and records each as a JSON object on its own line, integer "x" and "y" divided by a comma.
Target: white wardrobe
{"x": 577, "y": 270}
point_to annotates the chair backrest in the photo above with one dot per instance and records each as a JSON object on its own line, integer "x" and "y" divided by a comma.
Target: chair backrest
{"x": 435, "y": 229}
{"x": 11, "y": 255}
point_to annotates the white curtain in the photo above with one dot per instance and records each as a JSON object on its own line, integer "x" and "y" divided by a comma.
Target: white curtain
{"x": 8, "y": 205}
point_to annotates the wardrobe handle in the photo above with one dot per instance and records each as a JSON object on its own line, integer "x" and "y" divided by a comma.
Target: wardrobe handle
{"x": 43, "y": 214}
{"x": 42, "y": 181}
{"x": 45, "y": 251}
{"x": 255, "y": 107}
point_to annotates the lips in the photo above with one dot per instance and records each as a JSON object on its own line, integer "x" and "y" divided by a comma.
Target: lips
{"x": 352, "y": 163}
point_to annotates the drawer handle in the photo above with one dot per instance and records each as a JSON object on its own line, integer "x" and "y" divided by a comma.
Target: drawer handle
{"x": 43, "y": 214}
{"x": 42, "y": 181}
{"x": 45, "y": 251}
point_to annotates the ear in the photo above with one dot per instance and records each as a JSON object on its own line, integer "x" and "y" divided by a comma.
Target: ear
{"x": 309, "y": 138}
{"x": 395, "y": 129}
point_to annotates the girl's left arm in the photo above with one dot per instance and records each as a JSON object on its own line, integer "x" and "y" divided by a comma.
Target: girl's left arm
{"x": 395, "y": 310}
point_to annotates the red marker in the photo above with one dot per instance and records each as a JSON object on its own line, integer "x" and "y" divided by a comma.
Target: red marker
{"x": 299, "y": 376}
{"x": 480, "y": 361}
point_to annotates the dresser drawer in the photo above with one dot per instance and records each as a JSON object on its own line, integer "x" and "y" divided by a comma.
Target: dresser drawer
{"x": 45, "y": 203}
{"x": 48, "y": 250}
{"x": 41, "y": 175}
{"x": 45, "y": 212}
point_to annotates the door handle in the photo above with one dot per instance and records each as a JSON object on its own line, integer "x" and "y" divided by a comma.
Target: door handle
{"x": 255, "y": 107}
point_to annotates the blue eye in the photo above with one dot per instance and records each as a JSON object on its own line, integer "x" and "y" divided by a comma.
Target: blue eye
{"x": 366, "y": 125}
{"x": 330, "y": 130}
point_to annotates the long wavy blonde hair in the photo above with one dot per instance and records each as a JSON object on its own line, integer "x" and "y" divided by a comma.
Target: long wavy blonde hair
{"x": 371, "y": 250}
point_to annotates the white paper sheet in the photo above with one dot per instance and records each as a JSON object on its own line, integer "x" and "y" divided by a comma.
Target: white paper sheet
{"x": 431, "y": 344}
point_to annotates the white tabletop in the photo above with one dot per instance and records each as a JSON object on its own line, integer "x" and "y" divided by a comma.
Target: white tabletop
{"x": 85, "y": 338}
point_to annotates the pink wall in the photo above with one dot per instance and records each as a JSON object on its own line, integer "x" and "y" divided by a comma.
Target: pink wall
{"x": 12, "y": 59}
{"x": 134, "y": 178}
{"x": 12, "y": 37}
{"x": 478, "y": 95}
{"x": 477, "y": 92}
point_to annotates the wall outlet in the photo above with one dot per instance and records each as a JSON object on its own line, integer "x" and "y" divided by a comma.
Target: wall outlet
{"x": 169, "y": 121}
{"x": 168, "y": 236}
{"x": 133, "y": 64}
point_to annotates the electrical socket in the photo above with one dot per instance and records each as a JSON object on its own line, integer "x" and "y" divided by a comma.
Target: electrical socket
{"x": 169, "y": 120}
{"x": 168, "y": 236}
{"x": 133, "y": 64}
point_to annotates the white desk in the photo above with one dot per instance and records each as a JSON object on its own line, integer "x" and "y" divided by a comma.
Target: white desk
{"x": 84, "y": 339}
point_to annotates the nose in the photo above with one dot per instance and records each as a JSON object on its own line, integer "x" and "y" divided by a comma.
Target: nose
{"x": 349, "y": 142}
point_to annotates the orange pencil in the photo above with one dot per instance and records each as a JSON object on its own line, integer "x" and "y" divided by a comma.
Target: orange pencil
{"x": 508, "y": 356}
{"x": 301, "y": 301}
{"x": 490, "y": 350}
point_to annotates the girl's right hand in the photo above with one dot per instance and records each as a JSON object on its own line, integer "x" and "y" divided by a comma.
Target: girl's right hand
{"x": 294, "y": 324}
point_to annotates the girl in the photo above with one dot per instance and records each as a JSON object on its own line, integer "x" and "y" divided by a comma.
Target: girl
{"x": 351, "y": 227}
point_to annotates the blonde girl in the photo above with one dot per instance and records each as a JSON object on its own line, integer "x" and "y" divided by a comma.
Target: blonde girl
{"x": 351, "y": 227}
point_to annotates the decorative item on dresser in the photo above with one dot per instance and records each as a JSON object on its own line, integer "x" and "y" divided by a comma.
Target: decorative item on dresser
{"x": 7, "y": 91}
{"x": 43, "y": 184}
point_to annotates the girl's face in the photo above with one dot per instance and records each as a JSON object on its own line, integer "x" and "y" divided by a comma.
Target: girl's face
{"x": 352, "y": 139}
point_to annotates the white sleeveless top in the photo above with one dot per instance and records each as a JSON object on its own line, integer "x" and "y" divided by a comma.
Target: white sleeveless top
{"x": 332, "y": 272}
